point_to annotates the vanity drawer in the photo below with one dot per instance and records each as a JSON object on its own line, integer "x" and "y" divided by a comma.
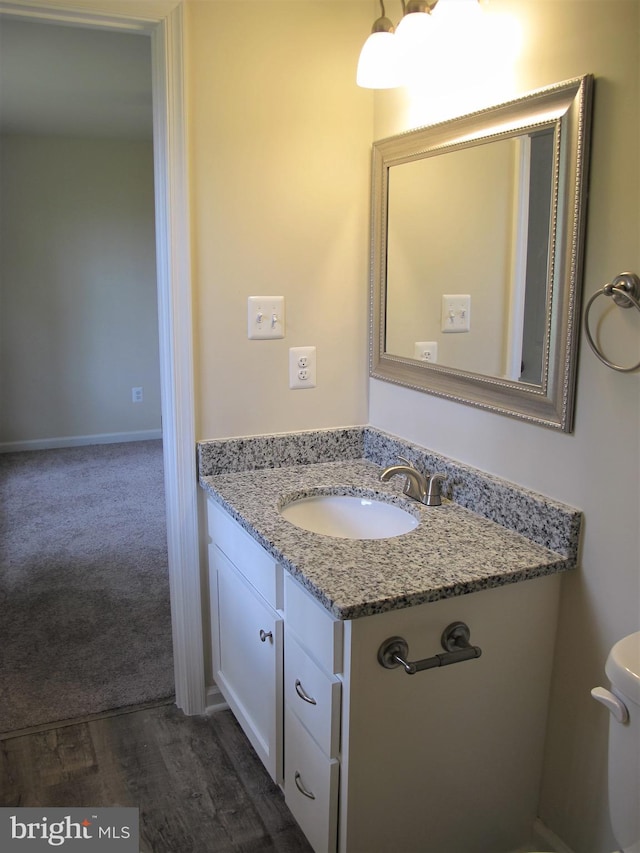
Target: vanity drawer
{"x": 251, "y": 560}
{"x": 315, "y": 627}
{"x": 313, "y": 696}
{"x": 311, "y": 786}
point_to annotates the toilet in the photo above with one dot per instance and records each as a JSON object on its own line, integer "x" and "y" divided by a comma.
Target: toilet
{"x": 623, "y": 702}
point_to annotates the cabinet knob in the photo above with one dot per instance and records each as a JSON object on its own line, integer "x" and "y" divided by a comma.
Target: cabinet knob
{"x": 264, "y": 635}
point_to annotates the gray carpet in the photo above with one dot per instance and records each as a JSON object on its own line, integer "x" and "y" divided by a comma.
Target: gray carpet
{"x": 85, "y": 622}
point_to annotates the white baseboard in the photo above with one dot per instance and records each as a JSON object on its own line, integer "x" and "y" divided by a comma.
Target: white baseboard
{"x": 79, "y": 440}
{"x": 214, "y": 700}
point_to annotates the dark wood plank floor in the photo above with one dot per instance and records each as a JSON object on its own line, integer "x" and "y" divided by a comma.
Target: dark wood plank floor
{"x": 198, "y": 784}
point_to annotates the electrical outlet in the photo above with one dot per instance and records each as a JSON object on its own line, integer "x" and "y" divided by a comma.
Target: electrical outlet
{"x": 426, "y": 351}
{"x": 456, "y": 312}
{"x": 136, "y": 395}
{"x": 302, "y": 367}
{"x": 265, "y": 317}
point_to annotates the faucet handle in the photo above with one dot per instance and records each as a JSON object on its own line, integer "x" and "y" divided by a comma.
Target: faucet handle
{"x": 415, "y": 487}
{"x": 406, "y": 461}
{"x": 434, "y": 496}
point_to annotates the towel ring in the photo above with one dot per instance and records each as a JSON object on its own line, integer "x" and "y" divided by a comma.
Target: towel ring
{"x": 625, "y": 292}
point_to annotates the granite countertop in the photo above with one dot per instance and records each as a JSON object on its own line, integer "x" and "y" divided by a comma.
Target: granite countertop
{"x": 453, "y": 550}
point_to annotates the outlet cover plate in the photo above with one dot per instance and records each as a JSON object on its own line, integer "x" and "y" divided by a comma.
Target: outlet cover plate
{"x": 426, "y": 351}
{"x": 302, "y": 367}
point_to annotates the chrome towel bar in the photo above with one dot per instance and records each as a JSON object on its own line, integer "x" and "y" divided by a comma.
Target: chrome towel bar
{"x": 625, "y": 292}
{"x": 455, "y": 641}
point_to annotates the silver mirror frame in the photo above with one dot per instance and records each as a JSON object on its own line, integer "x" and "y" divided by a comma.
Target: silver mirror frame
{"x": 567, "y": 108}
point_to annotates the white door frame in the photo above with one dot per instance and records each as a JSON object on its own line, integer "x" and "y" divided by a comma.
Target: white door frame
{"x": 162, "y": 20}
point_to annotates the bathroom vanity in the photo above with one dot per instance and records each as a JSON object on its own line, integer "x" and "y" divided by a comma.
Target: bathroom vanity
{"x": 370, "y": 757}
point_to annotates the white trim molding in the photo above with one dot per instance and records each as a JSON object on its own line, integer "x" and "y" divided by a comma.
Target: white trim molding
{"x": 131, "y": 15}
{"x": 176, "y": 361}
{"x": 215, "y": 700}
{"x": 162, "y": 20}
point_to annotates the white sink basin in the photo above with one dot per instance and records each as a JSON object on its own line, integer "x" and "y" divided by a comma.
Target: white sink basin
{"x": 349, "y": 517}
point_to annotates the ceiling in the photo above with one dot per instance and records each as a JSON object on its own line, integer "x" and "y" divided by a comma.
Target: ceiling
{"x": 72, "y": 81}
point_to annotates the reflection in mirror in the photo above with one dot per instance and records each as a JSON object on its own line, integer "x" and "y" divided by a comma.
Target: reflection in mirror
{"x": 498, "y": 237}
{"x": 488, "y": 207}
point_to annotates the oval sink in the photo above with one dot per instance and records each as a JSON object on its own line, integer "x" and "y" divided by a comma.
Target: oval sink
{"x": 349, "y": 517}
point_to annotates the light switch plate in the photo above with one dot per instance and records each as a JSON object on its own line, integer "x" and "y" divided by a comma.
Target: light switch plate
{"x": 265, "y": 318}
{"x": 456, "y": 312}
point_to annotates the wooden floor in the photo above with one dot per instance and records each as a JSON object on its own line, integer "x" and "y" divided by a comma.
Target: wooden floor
{"x": 198, "y": 784}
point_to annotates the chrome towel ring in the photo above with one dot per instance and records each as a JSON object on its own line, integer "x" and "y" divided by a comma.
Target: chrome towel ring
{"x": 625, "y": 292}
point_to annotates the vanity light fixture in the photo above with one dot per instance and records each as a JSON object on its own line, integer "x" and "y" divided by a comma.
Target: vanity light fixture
{"x": 379, "y": 66}
{"x": 386, "y": 57}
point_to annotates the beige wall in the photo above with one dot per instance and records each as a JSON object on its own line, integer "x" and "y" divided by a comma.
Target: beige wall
{"x": 79, "y": 323}
{"x": 280, "y": 145}
{"x": 279, "y": 155}
{"x": 597, "y": 468}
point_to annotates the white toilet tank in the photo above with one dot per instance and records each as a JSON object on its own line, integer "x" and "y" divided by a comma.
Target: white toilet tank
{"x": 623, "y": 670}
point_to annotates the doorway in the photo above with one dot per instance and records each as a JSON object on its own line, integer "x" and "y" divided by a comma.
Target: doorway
{"x": 162, "y": 21}
{"x": 79, "y": 342}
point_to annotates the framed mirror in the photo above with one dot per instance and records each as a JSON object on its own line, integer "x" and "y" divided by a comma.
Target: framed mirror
{"x": 476, "y": 255}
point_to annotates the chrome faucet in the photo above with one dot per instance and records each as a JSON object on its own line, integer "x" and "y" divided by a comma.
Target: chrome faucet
{"x": 420, "y": 487}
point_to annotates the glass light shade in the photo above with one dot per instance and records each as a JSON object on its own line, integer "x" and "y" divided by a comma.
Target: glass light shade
{"x": 458, "y": 10}
{"x": 460, "y": 22}
{"x": 461, "y": 25}
{"x": 415, "y": 31}
{"x": 379, "y": 65}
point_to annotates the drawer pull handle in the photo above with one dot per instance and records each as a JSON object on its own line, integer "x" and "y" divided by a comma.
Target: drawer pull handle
{"x": 303, "y": 694}
{"x": 264, "y": 635}
{"x": 301, "y": 787}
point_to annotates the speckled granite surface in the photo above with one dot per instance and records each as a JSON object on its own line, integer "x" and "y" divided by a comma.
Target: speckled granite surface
{"x": 252, "y": 453}
{"x": 492, "y": 533}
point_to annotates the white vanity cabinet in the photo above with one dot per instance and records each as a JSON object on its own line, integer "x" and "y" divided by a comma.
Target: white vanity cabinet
{"x": 283, "y": 687}
{"x": 373, "y": 759}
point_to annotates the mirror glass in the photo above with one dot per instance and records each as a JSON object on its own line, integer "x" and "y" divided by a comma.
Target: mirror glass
{"x": 477, "y": 254}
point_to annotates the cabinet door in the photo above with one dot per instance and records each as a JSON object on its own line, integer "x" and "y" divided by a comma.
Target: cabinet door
{"x": 248, "y": 661}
